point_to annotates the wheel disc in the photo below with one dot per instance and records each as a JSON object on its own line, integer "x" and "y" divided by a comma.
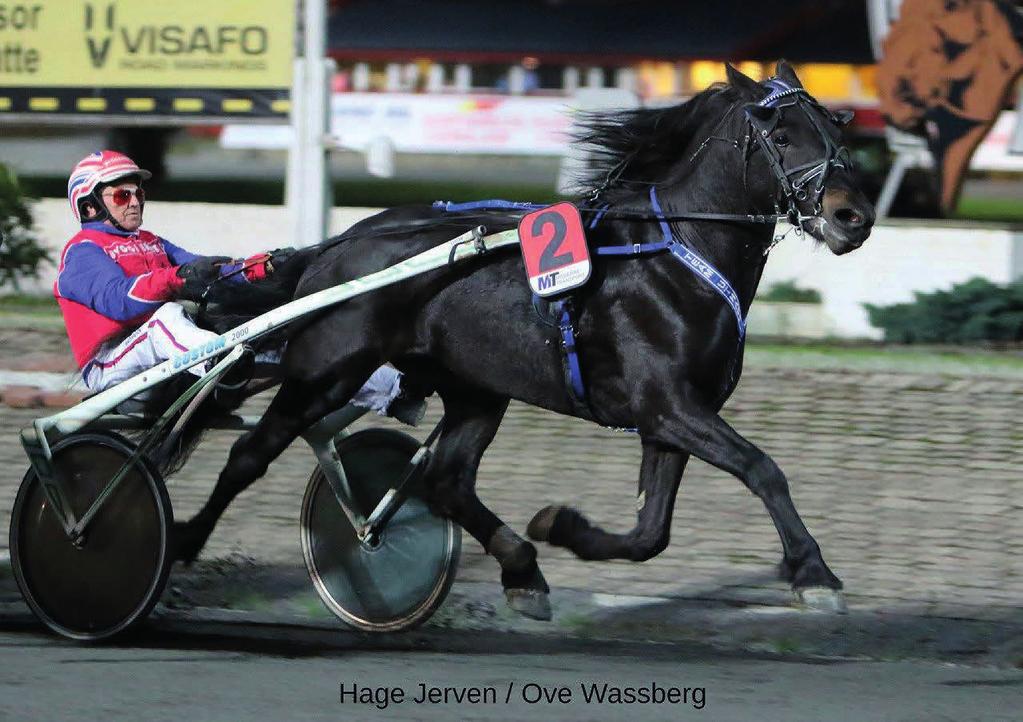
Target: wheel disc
{"x": 113, "y": 578}
{"x": 398, "y": 582}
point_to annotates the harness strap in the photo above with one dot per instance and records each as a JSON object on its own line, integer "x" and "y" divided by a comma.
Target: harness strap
{"x": 606, "y": 209}
{"x": 636, "y": 249}
{"x": 563, "y": 310}
{"x": 706, "y": 272}
{"x": 686, "y": 256}
{"x": 493, "y": 204}
{"x": 666, "y": 233}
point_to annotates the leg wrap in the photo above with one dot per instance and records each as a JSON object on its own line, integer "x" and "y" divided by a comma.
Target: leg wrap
{"x": 511, "y": 551}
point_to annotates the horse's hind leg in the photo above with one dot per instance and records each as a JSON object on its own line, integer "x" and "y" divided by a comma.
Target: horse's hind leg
{"x": 296, "y": 407}
{"x": 471, "y": 418}
{"x": 660, "y": 474}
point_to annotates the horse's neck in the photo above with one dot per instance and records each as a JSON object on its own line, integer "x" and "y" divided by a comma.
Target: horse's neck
{"x": 736, "y": 251}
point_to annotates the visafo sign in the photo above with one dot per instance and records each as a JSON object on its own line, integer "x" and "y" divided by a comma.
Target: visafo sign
{"x": 135, "y": 56}
{"x": 234, "y": 50}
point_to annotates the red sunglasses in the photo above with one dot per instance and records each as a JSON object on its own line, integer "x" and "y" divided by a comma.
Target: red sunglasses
{"x": 122, "y": 196}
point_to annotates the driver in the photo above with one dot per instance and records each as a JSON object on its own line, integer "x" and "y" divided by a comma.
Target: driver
{"x": 117, "y": 285}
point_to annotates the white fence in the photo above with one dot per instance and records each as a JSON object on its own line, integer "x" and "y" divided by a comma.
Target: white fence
{"x": 899, "y": 258}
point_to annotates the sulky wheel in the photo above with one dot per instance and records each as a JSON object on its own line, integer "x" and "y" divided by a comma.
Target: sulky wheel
{"x": 398, "y": 582}
{"x": 114, "y": 576}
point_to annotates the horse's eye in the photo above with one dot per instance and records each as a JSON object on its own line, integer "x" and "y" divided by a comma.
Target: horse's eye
{"x": 781, "y": 139}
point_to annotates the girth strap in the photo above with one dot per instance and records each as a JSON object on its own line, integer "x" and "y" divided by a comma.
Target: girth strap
{"x": 563, "y": 310}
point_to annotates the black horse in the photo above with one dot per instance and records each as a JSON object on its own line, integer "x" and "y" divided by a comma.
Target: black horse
{"x": 660, "y": 346}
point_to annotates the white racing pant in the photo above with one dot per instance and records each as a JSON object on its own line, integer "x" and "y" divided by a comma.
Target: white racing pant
{"x": 169, "y": 332}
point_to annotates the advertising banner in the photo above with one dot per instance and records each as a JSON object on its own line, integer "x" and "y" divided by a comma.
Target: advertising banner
{"x": 113, "y": 57}
{"x": 500, "y": 124}
{"x": 439, "y": 123}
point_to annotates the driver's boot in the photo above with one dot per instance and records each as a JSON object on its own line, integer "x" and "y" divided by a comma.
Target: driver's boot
{"x": 409, "y": 406}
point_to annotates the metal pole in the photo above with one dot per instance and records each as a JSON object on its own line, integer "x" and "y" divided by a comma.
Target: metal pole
{"x": 307, "y": 194}
{"x": 891, "y": 184}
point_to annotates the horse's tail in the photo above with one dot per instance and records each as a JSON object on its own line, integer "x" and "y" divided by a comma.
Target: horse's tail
{"x": 231, "y": 304}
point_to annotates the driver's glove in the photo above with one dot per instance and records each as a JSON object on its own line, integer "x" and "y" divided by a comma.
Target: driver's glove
{"x": 198, "y": 275}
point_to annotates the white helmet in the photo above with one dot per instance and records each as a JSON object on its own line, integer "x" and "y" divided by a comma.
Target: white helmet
{"x": 93, "y": 172}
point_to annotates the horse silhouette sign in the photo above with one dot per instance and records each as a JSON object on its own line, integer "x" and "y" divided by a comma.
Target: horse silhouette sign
{"x": 946, "y": 69}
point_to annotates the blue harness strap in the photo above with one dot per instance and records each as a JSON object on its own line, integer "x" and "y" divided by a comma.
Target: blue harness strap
{"x": 563, "y": 310}
{"x": 488, "y": 205}
{"x": 691, "y": 260}
{"x": 686, "y": 256}
{"x": 598, "y": 215}
{"x": 636, "y": 249}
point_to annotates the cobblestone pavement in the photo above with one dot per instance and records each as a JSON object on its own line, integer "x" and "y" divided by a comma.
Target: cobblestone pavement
{"x": 909, "y": 481}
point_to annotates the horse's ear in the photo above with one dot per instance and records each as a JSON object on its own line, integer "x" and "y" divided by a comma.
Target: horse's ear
{"x": 762, "y": 117}
{"x": 784, "y": 71}
{"x": 746, "y": 86}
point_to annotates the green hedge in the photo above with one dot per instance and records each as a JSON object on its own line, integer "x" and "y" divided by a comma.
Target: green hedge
{"x": 976, "y": 310}
{"x": 20, "y": 253}
{"x": 789, "y": 292}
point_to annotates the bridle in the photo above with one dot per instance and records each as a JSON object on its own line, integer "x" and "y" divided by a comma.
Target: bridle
{"x": 807, "y": 180}
{"x": 797, "y": 185}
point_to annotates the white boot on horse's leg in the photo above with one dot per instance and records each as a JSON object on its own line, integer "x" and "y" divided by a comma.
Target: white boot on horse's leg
{"x": 822, "y": 599}
{"x": 531, "y": 603}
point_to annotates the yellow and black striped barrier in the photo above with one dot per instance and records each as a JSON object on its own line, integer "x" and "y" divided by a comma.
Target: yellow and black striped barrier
{"x": 146, "y": 102}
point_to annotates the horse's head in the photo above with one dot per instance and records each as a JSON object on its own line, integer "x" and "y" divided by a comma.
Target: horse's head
{"x": 795, "y": 155}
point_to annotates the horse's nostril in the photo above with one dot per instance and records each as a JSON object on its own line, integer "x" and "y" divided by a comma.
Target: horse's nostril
{"x": 849, "y": 218}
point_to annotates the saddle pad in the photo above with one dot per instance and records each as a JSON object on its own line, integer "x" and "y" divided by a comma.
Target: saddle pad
{"x": 554, "y": 249}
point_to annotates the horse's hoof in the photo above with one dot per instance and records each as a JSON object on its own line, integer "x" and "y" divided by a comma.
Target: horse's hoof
{"x": 186, "y": 543}
{"x": 529, "y": 603}
{"x": 539, "y": 528}
{"x": 822, "y": 599}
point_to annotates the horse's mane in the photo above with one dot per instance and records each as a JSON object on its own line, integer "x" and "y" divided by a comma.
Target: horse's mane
{"x": 643, "y": 146}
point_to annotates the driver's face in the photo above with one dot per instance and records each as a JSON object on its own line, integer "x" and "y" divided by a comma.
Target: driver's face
{"x": 124, "y": 202}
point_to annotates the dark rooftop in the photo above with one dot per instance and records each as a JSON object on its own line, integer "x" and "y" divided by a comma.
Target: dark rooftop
{"x": 602, "y": 30}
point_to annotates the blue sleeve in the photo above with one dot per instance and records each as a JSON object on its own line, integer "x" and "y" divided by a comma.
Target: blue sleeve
{"x": 176, "y": 254}
{"x": 91, "y": 278}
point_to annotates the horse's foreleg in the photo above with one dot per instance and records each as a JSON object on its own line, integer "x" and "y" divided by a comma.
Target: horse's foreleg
{"x": 660, "y": 474}
{"x": 470, "y": 421}
{"x": 708, "y": 437}
{"x": 297, "y": 405}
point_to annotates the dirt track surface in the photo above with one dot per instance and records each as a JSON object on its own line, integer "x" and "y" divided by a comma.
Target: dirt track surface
{"x": 909, "y": 481}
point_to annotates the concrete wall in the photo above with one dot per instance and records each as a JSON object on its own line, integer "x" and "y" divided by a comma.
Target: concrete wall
{"x": 899, "y": 258}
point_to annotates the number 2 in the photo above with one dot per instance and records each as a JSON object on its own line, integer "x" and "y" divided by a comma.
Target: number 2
{"x": 549, "y": 261}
